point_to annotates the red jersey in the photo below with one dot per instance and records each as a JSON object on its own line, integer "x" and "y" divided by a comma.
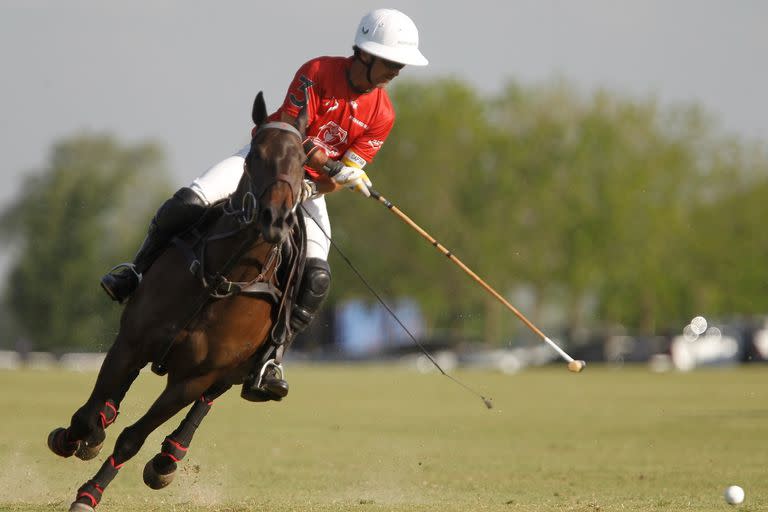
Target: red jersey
{"x": 343, "y": 122}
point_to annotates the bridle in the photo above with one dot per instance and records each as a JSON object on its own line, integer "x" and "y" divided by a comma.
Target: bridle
{"x": 245, "y": 216}
{"x": 249, "y": 205}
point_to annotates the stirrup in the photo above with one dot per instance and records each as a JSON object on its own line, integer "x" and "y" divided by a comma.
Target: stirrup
{"x": 279, "y": 372}
{"x": 110, "y": 282}
{"x": 256, "y": 392}
{"x": 129, "y": 266}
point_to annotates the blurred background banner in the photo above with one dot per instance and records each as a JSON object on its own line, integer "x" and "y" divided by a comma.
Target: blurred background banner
{"x": 604, "y": 166}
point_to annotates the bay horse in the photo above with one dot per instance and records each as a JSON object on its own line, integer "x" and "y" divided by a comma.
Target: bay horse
{"x": 200, "y": 328}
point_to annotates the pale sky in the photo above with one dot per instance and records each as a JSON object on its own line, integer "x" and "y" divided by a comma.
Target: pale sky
{"x": 185, "y": 72}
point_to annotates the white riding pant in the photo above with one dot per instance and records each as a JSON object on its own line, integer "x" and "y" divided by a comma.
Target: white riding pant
{"x": 221, "y": 180}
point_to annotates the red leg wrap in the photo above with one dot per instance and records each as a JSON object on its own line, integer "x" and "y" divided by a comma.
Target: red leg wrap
{"x": 90, "y": 494}
{"x": 173, "y": 449}
{"x": 109, "y": 413}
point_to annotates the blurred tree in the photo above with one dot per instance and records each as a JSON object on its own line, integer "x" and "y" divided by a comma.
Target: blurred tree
{"x": 605, "y": 209}
{"x": 85, "y": 211}
{"x": 728, "y": 242}
{"x": 593, "y": 204}
{"x": 436, "y": 148}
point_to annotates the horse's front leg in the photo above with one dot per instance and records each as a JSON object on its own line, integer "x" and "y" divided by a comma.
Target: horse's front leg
{"x": 85, "y": 434}
{"x": 160, "y": 470}
{"x": 174, "y": 398}
{"x": 64, "y": 443}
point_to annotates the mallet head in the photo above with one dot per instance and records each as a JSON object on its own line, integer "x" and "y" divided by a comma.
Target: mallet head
{"x": 576, "y": 366}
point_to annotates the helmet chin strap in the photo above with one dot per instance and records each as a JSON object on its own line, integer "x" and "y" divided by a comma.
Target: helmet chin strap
{"x": 368, "y": 67}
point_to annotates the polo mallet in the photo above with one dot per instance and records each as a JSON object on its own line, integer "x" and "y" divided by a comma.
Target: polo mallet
{"x": 486, "y": 400}
{"x": 574, "y": 365}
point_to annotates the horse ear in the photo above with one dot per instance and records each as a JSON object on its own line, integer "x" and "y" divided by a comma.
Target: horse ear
{"x": 259, "y": 113}
{"x": 301, "y": 121}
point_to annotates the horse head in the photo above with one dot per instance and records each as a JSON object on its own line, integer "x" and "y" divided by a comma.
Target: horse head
{"x": 273, "y": 172}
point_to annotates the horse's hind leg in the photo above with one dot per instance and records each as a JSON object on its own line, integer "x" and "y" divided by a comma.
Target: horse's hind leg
{"x": 160, "y": 470}
{"x": 175, "y": 397}
{"x": 85, "y": 434}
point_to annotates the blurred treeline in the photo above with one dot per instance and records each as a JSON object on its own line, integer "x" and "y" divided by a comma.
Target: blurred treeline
{"x": 86, "y": 211}
{"x": 600, "y": 210}
{"x": 587, "y": 211}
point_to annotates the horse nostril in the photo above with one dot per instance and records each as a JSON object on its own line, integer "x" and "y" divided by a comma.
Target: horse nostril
{"x": 267, "y": 214}
{"x": 290, "y": 219}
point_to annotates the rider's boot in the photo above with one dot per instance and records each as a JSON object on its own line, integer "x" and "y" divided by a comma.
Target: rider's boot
{"x": 175, "y": 215}
{"x": 267, "y": 382}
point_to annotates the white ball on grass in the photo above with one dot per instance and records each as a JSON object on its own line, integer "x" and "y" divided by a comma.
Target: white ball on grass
{"x": 734, "y": 495}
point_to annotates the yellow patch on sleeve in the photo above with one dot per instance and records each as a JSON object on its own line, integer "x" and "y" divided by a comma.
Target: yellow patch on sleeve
{"x": 351, "y": 159}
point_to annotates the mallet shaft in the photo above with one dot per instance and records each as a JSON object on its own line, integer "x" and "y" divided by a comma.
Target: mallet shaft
{"x": 558, "y": 350}
{"x": 440, "y": 247}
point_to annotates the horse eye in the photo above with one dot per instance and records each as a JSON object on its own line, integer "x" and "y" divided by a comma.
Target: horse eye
{"x": 256, "y": 153}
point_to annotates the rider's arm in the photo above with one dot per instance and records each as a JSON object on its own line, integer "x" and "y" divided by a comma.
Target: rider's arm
{"x": 335, "y": 174}
{"x": 317, "y": 161}
{"x": 320, "y": 161}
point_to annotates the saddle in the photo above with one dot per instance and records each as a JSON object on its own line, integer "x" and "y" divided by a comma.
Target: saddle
{"x": 281, "y": 290}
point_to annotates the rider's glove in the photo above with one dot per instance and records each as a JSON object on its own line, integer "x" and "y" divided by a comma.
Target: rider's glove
{"x": 308, "y": 190}
{"x": 353, "y": 178}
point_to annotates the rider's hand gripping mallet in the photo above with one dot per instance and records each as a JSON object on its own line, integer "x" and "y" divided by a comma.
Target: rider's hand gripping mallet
{"x": 573, "y": 364}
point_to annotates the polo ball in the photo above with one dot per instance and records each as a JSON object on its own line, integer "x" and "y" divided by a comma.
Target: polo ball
{"x": 734, "y": 495}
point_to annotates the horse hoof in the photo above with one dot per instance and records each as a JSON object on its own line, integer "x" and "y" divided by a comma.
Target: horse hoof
{"x": 155, "y": 480}
{"x": 87, "y": 452}
{"x": 80, "y": 507}
{"x": 58, "y": 444}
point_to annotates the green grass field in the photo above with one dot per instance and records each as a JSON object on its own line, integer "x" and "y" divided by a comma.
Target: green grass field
{"x": 371, "y": 438}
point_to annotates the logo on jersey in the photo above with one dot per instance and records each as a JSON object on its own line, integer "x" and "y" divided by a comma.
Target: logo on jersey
{"x": 375, "y": 144}
{"x": 306, "y": 83}
{"x": 326, "y": 103}
{"x": 331, "y": 135}
{"x": 358, "y": 122}
{"x": 353, "y": 103}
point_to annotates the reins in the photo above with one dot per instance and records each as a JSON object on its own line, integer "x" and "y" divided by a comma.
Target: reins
{"x": 217, "y": 286}
{"x": 250, "y": 204}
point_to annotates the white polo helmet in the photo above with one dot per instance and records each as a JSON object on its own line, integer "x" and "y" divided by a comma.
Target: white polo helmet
{"x": 391, "y": 35}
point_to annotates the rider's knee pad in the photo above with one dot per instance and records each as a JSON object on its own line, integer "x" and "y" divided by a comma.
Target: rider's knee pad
{"x": 189, "y": 197}
{"x": 317, "y": 277}
{"x": 315, "y": 285}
